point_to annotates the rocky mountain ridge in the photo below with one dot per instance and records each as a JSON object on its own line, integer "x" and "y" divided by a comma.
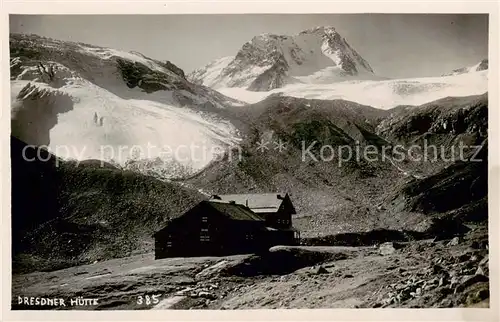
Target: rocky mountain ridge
{"x": 482, "y": 65}
{"x": 270, "y": 61}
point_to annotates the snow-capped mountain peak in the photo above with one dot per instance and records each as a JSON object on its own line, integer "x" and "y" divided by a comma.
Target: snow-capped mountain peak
{"x": 315, "y": 56}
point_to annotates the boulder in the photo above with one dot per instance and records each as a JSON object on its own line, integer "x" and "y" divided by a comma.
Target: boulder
{"x": 436, "y": 269}
{"x": 471, "y": 280}
{"x": 212, "y": 270}
{"x": 476, "y": 258}
{"x": 484, "y": 265}
{"x": 484, "y": 261}
{"x": 481, "y": 244}
{"x": 463, "y": 257}
{"x": 454, "y": 242}
{"x": 429, "y": 287}
{"x": 446, "y": 303}
{"x": 433, "y": 281}
{"x": 319, "y": 270}
{"x": 207, "y": 295}
{"x": 184, "y": 291}
{"x": 387, "y": 248}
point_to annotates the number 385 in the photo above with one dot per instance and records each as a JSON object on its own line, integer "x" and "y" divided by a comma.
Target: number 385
{"x": 148, "y": 299}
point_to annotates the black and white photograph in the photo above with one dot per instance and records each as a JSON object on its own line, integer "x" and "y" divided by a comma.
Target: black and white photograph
{"x": 249, "y": 161}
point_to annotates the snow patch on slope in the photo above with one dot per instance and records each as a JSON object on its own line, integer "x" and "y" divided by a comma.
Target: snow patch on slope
{"x": 108, "y": 53}
{"x": 208, "y": 76}
{"x": 242, "y": 78}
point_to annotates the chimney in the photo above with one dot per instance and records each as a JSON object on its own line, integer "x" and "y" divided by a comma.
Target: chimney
{"x": 216, "y": 197}
{"x": 232, "y": 202}
{"x": 246, "y": 203}
{"x": 280, "y": 197}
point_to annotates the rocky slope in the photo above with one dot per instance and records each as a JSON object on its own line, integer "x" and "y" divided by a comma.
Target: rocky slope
{"x": 330, "y": 186}
{"x": 66, "y": 214}
{"x": 268, "y": 61}
{"x": 461, "y": 184}
{"x": 438, "y": 132}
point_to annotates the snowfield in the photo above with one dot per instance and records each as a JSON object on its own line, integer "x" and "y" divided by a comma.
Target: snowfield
{"x": 383, "y": 94}
{"x": 106, "y": 127}
{"x": 171, "y": 128}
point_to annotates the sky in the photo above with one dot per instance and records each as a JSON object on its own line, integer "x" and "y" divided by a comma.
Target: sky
{"x": 395, "y": 45}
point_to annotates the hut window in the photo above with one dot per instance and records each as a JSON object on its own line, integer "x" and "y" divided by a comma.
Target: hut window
{"x": 249, "y": 236}
{"x": 204, "y": 219}
{"x": 204, "y": 236}
{"x": 169, "y": 244}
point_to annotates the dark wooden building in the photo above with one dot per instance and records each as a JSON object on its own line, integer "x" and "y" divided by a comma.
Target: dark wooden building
{"x": 228, "y": 224}
{"x": 275, "y": 208}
